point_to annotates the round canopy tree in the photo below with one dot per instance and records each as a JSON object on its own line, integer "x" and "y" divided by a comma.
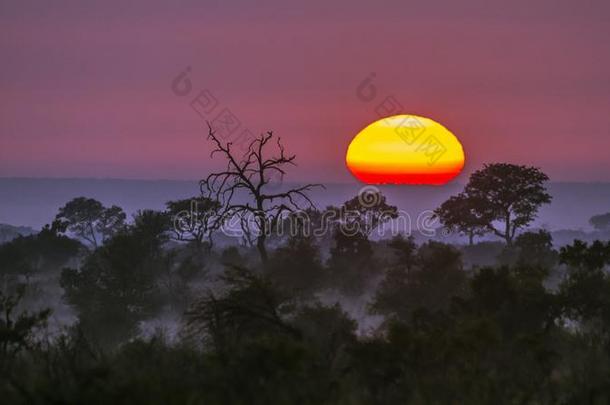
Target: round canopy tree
{"x": 502, "y": 198}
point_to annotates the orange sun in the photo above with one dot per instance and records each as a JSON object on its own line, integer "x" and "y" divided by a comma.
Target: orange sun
{"x": 405, "y": 149}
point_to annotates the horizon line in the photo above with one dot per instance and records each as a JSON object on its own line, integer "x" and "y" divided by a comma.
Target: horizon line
{"x": 127, "y": 179}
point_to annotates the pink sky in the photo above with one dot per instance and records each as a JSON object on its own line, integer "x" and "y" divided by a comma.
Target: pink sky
{"x": 85, "y": 91}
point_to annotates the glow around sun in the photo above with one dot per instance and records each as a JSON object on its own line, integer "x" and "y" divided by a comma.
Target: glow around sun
{"x": 405, "y": 149}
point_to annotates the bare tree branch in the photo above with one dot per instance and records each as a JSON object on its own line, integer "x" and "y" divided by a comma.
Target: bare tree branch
{"x": 252, "y": 173}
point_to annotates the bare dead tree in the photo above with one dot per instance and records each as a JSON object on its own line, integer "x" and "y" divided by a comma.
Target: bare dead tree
{"x": 251, "y": 173}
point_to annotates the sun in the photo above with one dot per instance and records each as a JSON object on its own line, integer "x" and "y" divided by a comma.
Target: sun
{"x": 405, "y": 149}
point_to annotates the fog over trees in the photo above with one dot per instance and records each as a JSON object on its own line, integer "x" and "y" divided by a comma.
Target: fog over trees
{"x": 277, "y": 299}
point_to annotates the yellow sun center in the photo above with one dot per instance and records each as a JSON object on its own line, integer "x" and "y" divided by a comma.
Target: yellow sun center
{"x": 405, "y": 149}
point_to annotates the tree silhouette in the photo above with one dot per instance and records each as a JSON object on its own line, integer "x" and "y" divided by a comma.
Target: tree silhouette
{"x": 28, "y": 258}
{"x": 351, "y": 263}
{"x": 585, "y": 291}
{"x": 501, "y": 192}
{"x": 296, "y": 266}
{"x": 364, "y": 213}
{"x": 580, "y": 255}
{"x": 536, "y": 249}
{"x": 87, "y": 218}
{"x": 252, "y": 173}
{"x": 193, "y": 219}
{"x": 459, "y": 213}
{"x": 116, "y": 286}
{"x": 428, "y": 279}
{"x": 17, "y": 331}
{"x": 111, "y": 221}
{"x": 251, "y": 306}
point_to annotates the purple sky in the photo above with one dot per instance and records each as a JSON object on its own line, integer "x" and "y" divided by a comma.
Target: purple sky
{"x": 86, "y": 89}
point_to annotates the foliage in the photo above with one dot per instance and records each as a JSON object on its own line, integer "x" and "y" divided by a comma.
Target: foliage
{"x": 500, "y": 192}
{"x": 87, "y": 218}
{"x": 531, "y": 249}
{"x": 193, "y": 219}
{"x": 463, "y": 214}
{"x": 275, "y": 332}
{"x": 116, "y": 286}
{"x": 428, "y": 280}
{"x": 586, "y": 288}
{"x": 359, "y": 216}
{"x": 296, "y": 267}
{"x": 17, "y": 332}
{"x": 37, "y": 252}
{"x": 27, "y": 259}
{"x": 250, "y": 307}
{"x": 351, "y": 263}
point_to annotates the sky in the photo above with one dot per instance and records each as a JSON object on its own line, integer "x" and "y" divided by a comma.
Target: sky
{"x": 86, "y": 88}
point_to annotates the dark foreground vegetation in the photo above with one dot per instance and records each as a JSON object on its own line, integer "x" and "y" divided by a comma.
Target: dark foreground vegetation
{"x": 99, "y": 309}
